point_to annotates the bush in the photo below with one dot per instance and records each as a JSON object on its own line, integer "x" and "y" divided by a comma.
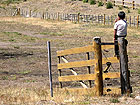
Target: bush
{"x": 120, "y": 7}
{"x": 100, "y": 3}
{"x": 109, "y": 5}
{"x": 92, "y": 2}
{"x": 128, "y": 10}
{"x": 114, "y": 100}
{"x": 85, "y": 1}
{"x": 139, "y": 11}
{"x": 10, "y": 1}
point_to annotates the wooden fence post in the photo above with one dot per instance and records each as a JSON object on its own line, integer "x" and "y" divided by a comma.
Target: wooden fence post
{"x": 108, "y": 20}
{"x": 18, "y": 11}
{"x": 78, "y": 17}
{"x": 30, "y": 13}
{"x": 98, "y": 66}
{"x": 98, "y": 19}
{"x": 134, "y": 21}
{"x": 58, "y": 16}
{"x": 133, "y": 4}
{"x": 104, "y": 19}
{"x": 111, "y": 20}
{"x": 137, "y": 21}
{"x": 124, "y": 72}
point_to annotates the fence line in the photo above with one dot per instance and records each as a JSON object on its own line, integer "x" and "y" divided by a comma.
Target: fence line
{"x": 123, "y": 3}
{"x": 80, "y": 18}
{"x": 76, "y": 18}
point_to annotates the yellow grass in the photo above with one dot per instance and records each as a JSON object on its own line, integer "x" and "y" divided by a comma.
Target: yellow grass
{"x": 33, "y": 95}
{"x": 40, "y": 22}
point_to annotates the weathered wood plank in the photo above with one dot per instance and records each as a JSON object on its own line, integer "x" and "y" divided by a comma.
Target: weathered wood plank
{"x": 110, "y": 59}
{"x": 112, "y": 90}
{"x": 111, "y": 75}
{"x": 77, "y": 64}
{"x": 84, "y": 49}
{"x": 75, "y": 50}
{"x": 105, "y": 47}
{"x": 77, "y": 77}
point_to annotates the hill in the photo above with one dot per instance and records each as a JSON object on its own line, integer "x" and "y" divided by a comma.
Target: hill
{"x": 68, "y": 6}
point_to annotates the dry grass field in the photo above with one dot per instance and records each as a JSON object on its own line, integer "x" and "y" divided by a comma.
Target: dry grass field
{"x": 66, "y": 6}
{"x": 23, "y": 54}
{"x": 23, "y": 60}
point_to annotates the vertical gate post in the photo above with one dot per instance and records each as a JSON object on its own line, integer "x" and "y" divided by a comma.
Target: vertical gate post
{"x": 124, "y": 72}
{"x": 98, "y": 66}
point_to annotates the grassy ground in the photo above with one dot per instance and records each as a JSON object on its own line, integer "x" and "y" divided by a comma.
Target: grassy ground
{"x": 66, "y": 6}
{"x": 23, "y": 60}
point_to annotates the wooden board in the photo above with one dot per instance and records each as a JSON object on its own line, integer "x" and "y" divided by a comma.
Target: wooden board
{"x": 77, "y": 77}
{"x": 111, "y": 75}
{"x": 105, "y": 47}
{"x": 77, "y": 64}
{"x": 91, "y": 91}
{"x": 112, "y": 90}
{"x": 110, "y": 59}
{"x": 84, "y": 49}
{"x": 75, "y": 50}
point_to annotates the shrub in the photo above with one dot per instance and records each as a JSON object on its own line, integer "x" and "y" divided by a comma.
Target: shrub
{"x": 92, "y": 2}
{"x": 10, "y": 1}
{"x": 85, "y": 1}
{"x": 128, "y": 10}
{"x": 109, "y": 5}
{"x": 120, "y": 7}
{"x": 100, "y": 3}
{"x": 114, "y": 100}
{"x": 139, "y": 11}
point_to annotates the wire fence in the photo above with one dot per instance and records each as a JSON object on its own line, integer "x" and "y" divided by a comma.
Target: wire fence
{"x": 79, "y": 18}
{"x": 124, "y": 3}
{"x": 75, "y": 18}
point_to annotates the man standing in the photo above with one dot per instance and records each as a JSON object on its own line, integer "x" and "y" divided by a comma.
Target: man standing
{"x": 120, "y": 30}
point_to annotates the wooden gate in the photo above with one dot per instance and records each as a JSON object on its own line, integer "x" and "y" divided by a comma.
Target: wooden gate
{"x": 98, "y": 76}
